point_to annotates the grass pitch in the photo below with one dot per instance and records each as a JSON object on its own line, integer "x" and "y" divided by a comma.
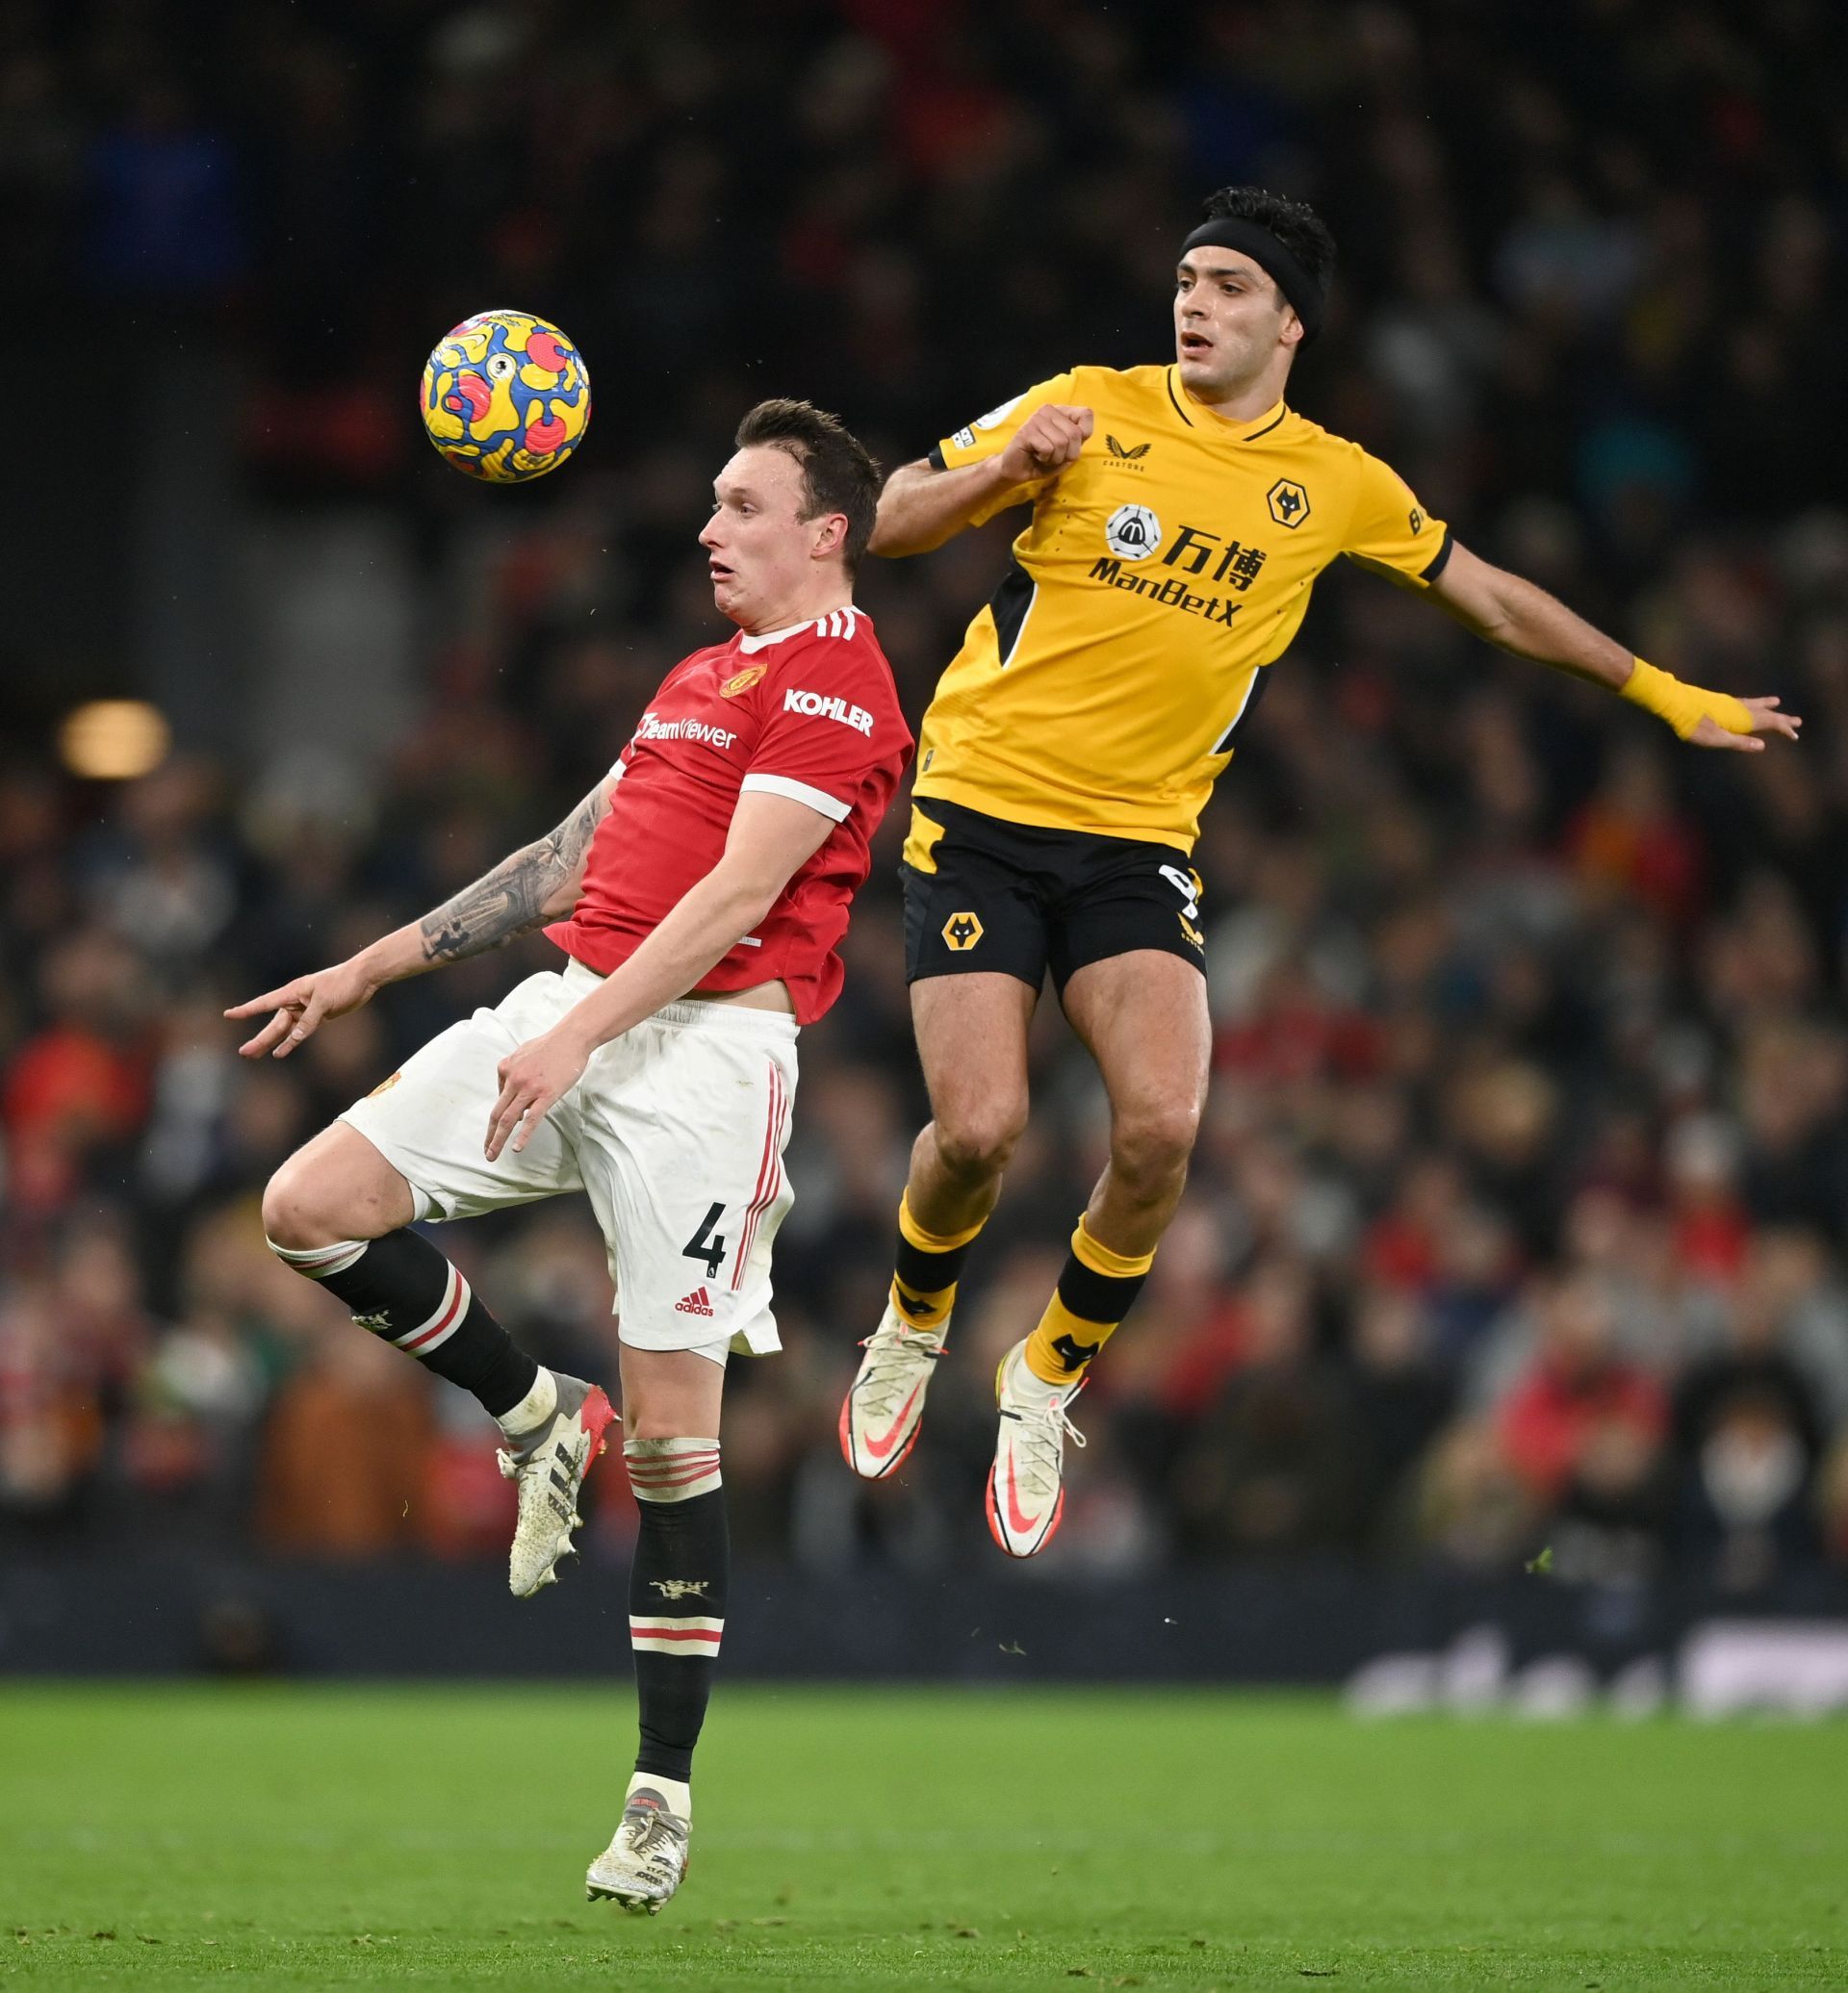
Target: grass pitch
{"x": 860, "y": 1838}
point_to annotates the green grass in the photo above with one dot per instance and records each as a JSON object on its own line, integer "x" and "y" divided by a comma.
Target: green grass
{"x": 335, "y": 1836}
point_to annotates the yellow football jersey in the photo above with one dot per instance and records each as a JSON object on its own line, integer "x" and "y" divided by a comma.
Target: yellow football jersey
{"x": 1161, "y": 574}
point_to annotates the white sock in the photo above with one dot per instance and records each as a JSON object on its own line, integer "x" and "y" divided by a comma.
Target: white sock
{"x": 678, "y": 1795}
{"x": 534, "y": 1409}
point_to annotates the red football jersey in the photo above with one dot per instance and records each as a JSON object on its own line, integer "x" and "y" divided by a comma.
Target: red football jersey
{"x": 810, "y": 713}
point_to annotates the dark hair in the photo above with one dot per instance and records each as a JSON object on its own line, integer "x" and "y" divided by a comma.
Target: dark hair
{"x": 1296, "y": 225}
{"x": 839, "y": 473}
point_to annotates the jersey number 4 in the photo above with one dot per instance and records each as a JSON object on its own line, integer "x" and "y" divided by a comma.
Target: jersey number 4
{"x": 704, "y": 1247}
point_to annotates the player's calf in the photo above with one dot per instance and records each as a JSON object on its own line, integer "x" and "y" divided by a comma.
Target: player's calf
{"x": 403, "y": 1289}
{"x": 676, "y": 1592}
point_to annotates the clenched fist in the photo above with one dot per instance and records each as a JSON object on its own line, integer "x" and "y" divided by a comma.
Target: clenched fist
{"x": 1046, "y": 442}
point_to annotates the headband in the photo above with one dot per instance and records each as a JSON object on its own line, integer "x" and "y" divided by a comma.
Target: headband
{"x": 1307, "y": 297}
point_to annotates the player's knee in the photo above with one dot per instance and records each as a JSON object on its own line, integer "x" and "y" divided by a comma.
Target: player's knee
{"x": 976, "y": 1139}
{"x": 1150, "y": 1143}
{"x": 301, "y": 1207}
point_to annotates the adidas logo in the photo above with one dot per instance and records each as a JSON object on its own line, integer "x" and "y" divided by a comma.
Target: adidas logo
{"x": 698, "y": 1302}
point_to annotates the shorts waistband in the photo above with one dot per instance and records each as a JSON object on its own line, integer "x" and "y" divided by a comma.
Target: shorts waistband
{"x": 737, "y": 1019}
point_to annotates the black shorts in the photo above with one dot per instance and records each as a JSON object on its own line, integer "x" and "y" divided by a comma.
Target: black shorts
{"x": 987, "y": 894}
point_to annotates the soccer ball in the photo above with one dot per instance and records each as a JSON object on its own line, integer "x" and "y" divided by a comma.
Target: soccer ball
{"x": 506, "y": 397}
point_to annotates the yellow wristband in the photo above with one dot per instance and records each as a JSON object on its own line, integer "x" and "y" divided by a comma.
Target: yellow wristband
{"x": 1684, "y": 707}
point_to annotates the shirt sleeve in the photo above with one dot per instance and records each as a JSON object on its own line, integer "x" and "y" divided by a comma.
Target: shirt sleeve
{"x": 990, "y": 434}
{"x": 1391, "y": 532}
{"x": 828, "y": 729}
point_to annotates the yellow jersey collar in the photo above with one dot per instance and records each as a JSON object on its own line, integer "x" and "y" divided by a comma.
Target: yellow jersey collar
{"x": 1236, "y": 432}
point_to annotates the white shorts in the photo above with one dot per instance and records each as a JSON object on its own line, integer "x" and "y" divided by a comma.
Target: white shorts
{"x": 676, "y": 1132}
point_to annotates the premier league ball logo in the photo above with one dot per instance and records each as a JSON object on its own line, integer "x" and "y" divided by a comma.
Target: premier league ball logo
{"x": 506, "y": 397}
{"x": 1133, "y": 532}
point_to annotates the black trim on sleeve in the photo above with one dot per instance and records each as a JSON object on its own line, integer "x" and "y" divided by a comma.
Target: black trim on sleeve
{"x": 1438, "y": 559}
{"x": 936, "y": 458}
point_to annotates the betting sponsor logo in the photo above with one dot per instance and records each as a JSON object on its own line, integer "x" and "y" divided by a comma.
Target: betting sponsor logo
{"x": 818, "y": 706}
{"x": 653, "y": 727}
{"x": 1193, "y": 553}
{"x": 1133, "y": 532}
{"x": 1226, "y": 563}
{"x": 1172, "y": 594}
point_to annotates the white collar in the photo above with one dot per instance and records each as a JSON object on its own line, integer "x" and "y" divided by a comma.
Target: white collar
{"x": 773, "y": 636}
{"x": 836, "y": 623}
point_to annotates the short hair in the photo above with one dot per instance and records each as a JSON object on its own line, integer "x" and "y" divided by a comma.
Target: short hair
{"x": 1296, "y": 225}
{"x": 838, "y": 471}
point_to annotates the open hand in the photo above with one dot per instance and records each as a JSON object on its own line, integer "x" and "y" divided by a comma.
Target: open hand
{"x": 300, "y": 1006}
{"x": 1046, "y": 442}
{"x": 1765, "y": 719}
{"x": 532, "y": 1078}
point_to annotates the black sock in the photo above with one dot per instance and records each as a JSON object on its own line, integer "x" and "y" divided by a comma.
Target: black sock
{"x": 401, "y": 1288}
{"x": 675, "y": 1594}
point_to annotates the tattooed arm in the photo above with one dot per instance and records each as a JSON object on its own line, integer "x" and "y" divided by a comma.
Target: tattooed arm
{"x": 539, "y": 882}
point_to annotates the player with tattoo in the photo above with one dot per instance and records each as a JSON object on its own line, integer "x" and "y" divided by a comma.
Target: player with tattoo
{"x": 700, "y": 891}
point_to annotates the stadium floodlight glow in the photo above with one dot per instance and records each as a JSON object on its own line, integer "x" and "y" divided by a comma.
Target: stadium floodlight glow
{"x": 113, "y": 740}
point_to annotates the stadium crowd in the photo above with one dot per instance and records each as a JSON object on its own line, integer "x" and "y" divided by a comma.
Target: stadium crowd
{"x": 1521, "y": 1213}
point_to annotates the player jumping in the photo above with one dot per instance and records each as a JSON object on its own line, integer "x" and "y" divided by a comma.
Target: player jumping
{"x": 1180, "y": 516}
{"x": 700, "y": 890}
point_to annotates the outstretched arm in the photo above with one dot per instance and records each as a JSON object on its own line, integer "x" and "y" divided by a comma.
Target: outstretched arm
{"x": 538, "y": 883}
{"x": 1514, "y": 614}
{"x": 921, "y": 506}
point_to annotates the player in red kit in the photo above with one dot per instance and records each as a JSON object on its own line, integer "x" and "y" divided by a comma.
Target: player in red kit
{"x": 700, "y": 890}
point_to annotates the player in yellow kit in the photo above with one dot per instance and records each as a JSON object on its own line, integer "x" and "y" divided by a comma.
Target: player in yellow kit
{"x": 1181, "y": 513}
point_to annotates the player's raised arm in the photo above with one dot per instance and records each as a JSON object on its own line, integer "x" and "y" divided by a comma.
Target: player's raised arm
{"x": 1007, "y": 458}
{"x": 536, "y": 883}
{"x": 1514, "y": 614}
{"x": 771, "y": 838}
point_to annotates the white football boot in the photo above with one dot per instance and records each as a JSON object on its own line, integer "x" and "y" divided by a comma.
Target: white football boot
{"x": 645, "y": 1862}
{"x": 1027, "y": 1482}
{"x": 549, "y": 1464}
{"x": 884, "y": 1404}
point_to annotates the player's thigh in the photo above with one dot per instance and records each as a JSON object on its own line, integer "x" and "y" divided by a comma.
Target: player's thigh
{"x": 1142, "y": 1016}
{"x": 681, "y": 1146}
{"x": 971, "y": 1034}
{"x": 1122, "y": 897}
{"x": 429, "y": 1119}
{"x": 336, "y": 1187}
{"x": 975, "y": 904}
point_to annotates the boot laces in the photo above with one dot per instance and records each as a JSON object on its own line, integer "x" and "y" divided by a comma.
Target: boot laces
{"x": 1044, "y": 1432}
{"x": 648, "y": 1834}
{"x": 891, "y": 1369}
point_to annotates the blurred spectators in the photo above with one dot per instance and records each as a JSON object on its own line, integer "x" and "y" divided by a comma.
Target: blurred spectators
{"x": 1520, "y": 1216}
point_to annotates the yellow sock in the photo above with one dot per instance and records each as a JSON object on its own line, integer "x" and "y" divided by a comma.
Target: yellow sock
{"x": 929, "y": 1265}
{"x": 1093, "y": 1295}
